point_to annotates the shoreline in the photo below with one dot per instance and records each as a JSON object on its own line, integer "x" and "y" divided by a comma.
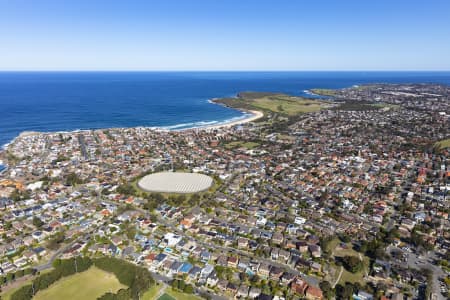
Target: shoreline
{"x": 253, "y": 116}
{"x": 217, "y": 124}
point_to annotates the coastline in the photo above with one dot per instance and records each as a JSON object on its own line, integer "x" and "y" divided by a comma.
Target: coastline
{"x": 312, "y": 95}
{"x": 255, "y": 115}
{"x": 249, "y": 116}
{"x": 287, "y": 82}
{"x": 252, "y": 115}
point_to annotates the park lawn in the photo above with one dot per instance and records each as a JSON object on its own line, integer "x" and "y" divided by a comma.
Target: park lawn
{"x": 443, "y": 144}
{"x": 7, "y": 295}
{"x": 332, "y": 245}
{"x": 86, "y": 285}
{"x": 287, "y": 105}
{"x": 351, "y": 277}
{"x": 346, "y": 275}
{"x": 152, "y": 292}
{"x": 250, "y": 145}
{"x": 344, "y": 252}
{"x": 358, "y": 276}
{"x": 169, "y": 294}
{"x": 181, "y": 296}
{"x": 239, "y": 144}
{"x": 324, "y": 92}
{"x": 166, "y": 297}
{"x": 272, "y": 102}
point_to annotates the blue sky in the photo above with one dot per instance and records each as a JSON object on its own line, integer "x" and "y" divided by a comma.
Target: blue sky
{"x": 224, "y": 35}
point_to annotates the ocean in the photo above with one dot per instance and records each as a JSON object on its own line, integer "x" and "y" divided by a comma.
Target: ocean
{"x": 65, "y": 101}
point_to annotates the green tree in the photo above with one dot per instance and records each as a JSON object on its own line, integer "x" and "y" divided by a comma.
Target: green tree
{"x": 55, "y": 242}
{"x": 352, "y": 263}
{"x": 73, "y": 179}
{"x": 37, "y": 222}
{"x": 23, "y": 293}
{"x": 344, "y": 292}
{"x": 327, "y": 290}
{"x": 188, "y": 289}
{"x": 126, "y": 189}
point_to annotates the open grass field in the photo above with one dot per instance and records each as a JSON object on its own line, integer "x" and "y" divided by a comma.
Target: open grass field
{"x": 337, "y": 251}
{"x": 324, "y": 92}
{"x": 349, "y": 276}
{"x": 166, "y": 297}
{"x": 344, "y": 252}
{"x": 241, "y": 144}
{"x": 87, "y": 285}
{"x": 181, "y": 296}
{"x": 271, "y": 102}
{"x": 152, "y": 293}
{"x": 352, "y": 277}
{"x": 443, "y": 144}
{"x": 288, "y": 105}
{"x": 167, "y": 294}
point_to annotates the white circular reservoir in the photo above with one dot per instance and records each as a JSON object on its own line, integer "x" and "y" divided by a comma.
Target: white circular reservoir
{"x": 175, "y": 182}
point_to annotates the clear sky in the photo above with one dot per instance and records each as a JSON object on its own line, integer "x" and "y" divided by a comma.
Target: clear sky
{"x": 224, "y": 35}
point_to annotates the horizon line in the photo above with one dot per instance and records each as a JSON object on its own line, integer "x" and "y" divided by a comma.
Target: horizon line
{"x": 218, "y": 70}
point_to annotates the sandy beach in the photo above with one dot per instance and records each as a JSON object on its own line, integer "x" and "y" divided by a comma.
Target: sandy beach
{"x": 255, "y": 116}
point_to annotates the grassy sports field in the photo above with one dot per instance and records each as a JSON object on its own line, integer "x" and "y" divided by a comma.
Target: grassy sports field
{"x": 87, "y": 285}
